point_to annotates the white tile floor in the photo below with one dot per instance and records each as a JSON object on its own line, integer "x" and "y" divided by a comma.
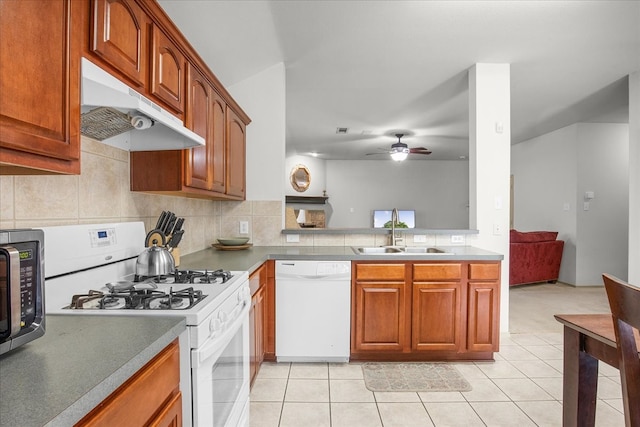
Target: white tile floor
{"x": 523, "y": 387}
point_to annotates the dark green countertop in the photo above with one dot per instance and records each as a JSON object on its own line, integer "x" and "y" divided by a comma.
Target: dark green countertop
{"x": 251, "y": 258}
{"x": 60, "y": 377}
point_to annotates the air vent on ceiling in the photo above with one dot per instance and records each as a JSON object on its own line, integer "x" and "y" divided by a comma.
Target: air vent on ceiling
{"x": 342, "y": 130}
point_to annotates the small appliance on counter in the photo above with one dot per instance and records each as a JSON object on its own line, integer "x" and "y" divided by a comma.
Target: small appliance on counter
{"x": 21, "y": 287}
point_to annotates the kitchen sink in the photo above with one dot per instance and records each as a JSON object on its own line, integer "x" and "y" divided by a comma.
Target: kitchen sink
{"x": 378, "y": 250}
{"x": 398, "y": 250}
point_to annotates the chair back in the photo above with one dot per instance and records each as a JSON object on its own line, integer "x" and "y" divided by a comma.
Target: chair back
{"x": 624, "y": 301}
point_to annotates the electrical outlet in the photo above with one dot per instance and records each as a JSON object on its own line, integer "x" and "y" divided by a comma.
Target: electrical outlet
{"x": 293, "y": 238}
{"x": 497, "y": 229}
{"x": 244, "y": 227}
{"x": 420, "y": 238}
{"x": 457, "y": 238}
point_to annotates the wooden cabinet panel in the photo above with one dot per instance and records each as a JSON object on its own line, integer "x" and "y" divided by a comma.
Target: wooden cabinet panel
{"x": 436, "y": 317}
{"x": 483, "y": 316}
{"x": 151, "y": 396}
{"x": 168, "y": 73}
{"x": 199, "y": 160}
{"x": 218, "y": 144}
{"x": 437, "y": 271}
{"x": 170, "y": 415}
{"x": 119, "y": 35}
{"x": 257, "y": 285}
{"x": 270, "y": 312}
{"x": 236, "y": 158}
{"x": 40, "y": 86}
{"x": 380, "y": 317}
{"x": 379, "y": 271}
{"x": 486, "y": 271}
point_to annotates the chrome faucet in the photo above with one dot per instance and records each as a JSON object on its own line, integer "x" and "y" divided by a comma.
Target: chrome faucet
{"x": 394, "y": 220}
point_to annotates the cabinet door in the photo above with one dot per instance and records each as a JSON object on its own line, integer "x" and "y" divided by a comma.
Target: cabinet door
{"x": 218, "y": 144}
{"x": 380, "y": 317}
{"x": 168, "y": 75}
{"x": 436, "y": 317}
{"x": 483, "y": 307}
{"x": 39, "y": 86}
{"x": 437, "y": 305}
{"x": 235, "y": 155}
{"x": 119, "y": 31}
{"x": 199, "y": 160}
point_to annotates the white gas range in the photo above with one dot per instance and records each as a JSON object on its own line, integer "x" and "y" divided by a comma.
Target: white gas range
{"x": 90, "y": 269}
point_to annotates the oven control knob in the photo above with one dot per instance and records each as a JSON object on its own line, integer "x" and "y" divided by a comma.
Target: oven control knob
{"x": 222, "y": 316}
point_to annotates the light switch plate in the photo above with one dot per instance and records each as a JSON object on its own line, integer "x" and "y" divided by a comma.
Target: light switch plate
{"x": 293, "y": 238}
{"x": 420, "y": 238}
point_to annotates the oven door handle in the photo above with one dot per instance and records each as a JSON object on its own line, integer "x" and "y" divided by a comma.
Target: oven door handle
{"x": 212, "y": 347}
{"x": 13, "y": 274}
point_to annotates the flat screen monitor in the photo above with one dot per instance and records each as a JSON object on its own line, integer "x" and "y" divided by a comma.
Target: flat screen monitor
{"x": 380, "y": 218}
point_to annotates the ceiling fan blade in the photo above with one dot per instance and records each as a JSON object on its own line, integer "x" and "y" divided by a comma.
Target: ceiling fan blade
{"x": 419, "y": 150}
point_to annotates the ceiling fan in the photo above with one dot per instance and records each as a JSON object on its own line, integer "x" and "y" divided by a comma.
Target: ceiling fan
{"x": 399, "y": 150}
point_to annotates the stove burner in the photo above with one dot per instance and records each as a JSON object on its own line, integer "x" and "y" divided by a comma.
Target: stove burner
{"x": 190, "y": 276}
{"x": 138, "y": 299}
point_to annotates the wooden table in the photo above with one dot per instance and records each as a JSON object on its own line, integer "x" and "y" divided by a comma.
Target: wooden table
{"x": 588, "y": 338}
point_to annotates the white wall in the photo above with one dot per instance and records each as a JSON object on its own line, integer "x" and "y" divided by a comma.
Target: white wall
{"x": 553, "y": 172}
{"x": 489, "y": 166}
{"x": 603, "y": 230}
{"x": 634, "y": 178}
{"x": 545, "y": 180}
{"x": 437, "y": 190}
{"x": 262, "y": 97}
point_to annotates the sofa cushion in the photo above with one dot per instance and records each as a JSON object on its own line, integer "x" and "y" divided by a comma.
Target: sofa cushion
{"x": 532, "y": 236}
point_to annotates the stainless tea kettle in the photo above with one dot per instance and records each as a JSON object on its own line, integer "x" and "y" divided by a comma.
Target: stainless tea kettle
{"x": 155, "y": 261}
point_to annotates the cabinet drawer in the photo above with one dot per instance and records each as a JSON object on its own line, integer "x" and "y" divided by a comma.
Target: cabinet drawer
{"x": 137, "y": 400}
{"x": 380, "y": 271}
{"x": 424, "y": 272}
{"x": 484, "y": 271}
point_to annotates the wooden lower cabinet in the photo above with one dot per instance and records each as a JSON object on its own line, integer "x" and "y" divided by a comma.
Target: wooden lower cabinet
{"x": 425, "y": 310}
{"x": 257, "y": 283}
{"x": 151, "y": 397}
{"x": 270, "y": 312}
{"x": 483, "y": 331}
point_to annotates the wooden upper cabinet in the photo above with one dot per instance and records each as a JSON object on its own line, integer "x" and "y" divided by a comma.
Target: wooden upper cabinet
{"x": 168, "y": 74}
{"x": 235, "y": 155}
{"x": 40, "y": 86}
{"x": 119, "y": 35}
{"x": 219, "y": 144}
{"x": 199, "y": 160}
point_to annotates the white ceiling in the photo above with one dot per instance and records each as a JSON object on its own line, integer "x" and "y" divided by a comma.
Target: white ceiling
{"x": 380, "y": 66}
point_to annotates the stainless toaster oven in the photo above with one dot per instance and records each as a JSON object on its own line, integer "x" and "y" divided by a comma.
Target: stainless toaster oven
{"x": 21, "y": 287}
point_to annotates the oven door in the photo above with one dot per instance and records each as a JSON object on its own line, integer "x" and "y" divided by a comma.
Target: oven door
{"x": 220, "y": 374}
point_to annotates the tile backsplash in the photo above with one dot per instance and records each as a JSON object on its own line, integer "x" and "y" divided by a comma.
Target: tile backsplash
{"x": 100, "y": 194}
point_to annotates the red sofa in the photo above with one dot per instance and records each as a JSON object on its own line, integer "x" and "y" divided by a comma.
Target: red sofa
{"x": 535, "y": 256}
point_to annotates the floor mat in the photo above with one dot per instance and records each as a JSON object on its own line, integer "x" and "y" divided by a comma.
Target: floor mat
{"x": 413, "y": 376}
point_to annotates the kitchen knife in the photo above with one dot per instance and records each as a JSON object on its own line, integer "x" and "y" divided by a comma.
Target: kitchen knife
{"x": 170, "y": 224}
{"x": 178, "y": 225}
{"x": 165, "y": 222}
{"x": 160, "y": 220}
{"x": 175, "y": 239}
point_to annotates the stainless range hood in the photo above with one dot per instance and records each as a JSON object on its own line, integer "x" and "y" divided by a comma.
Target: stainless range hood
{"x": 117, "y": 115}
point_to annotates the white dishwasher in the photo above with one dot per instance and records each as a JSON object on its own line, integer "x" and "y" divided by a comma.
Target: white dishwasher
{"x": 313, "y": 311}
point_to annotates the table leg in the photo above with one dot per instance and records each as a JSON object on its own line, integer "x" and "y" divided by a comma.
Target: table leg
{"x": 580, "y": 383}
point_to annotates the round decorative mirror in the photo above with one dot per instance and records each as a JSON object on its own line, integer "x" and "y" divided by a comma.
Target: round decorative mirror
{"x": 300, "y": 178}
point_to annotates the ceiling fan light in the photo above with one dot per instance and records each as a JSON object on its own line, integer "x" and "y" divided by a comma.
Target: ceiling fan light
{"x": 399, "y": 156}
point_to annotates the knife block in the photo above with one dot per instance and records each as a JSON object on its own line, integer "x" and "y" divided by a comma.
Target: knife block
{"x": 175, "y": 252}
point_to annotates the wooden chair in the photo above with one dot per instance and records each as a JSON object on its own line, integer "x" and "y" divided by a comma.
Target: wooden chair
{"x": 624, "y": 301}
